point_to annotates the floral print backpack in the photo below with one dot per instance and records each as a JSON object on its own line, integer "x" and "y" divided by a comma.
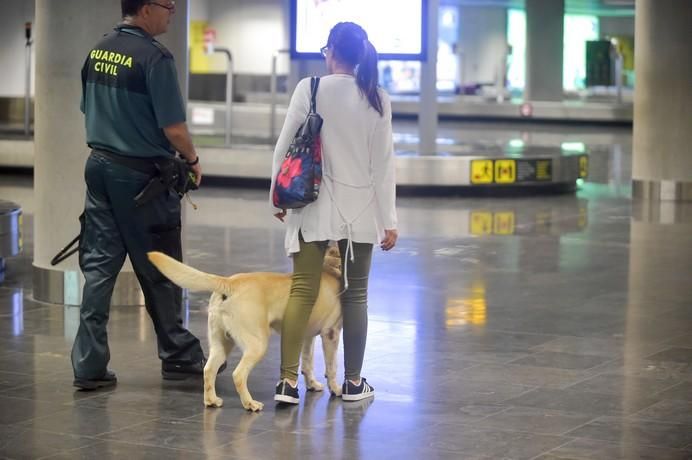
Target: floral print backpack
{"x": 300, "y": 175}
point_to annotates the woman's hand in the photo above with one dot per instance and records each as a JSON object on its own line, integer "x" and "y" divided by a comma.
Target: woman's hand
{"x": 280, "y": 215}
{"x": 389, "y": 241}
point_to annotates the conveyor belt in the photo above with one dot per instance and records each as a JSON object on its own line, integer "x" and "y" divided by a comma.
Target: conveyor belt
{"x": 457, "y": 166}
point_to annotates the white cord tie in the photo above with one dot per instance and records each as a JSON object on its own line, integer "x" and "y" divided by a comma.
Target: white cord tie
{"x": 349, "y": 251}
{"x": 347, "y": 225}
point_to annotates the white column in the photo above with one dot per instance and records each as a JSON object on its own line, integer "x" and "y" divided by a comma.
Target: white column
{"x": 482, "y": 42}
{"x": 544, "y": 46}
{"x": 662, "y": 160}
{"x": 427, "y": 115}
{"x": 60, "y": 142}
{"x": 660, "y": 261}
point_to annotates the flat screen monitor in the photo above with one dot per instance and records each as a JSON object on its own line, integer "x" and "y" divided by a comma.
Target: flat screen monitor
{"x": 395, "y": 27}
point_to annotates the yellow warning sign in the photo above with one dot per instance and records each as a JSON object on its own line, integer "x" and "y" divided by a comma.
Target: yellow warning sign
{"x": 503, "y": 223}
{"x": 505, "y": 171}
{"x": 481, "y": 223}
{"x": 481, "y": 171}
{"x": 543, "y": 170}
{"x": 583, "y": 166}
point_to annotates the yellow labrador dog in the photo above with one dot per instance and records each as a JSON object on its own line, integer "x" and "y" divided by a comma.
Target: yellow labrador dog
{"x": 243, "y": 309}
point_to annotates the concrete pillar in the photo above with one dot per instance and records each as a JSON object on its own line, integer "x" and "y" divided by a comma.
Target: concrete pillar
{"x": 659, "y": 288}
{"x": 482, "y": 42}
{"x": 60, "y": 148}
{"x": 59, "y": 140}
{"x": 662, "y": 160}
{"x": 544, "y": 46}
{"x": 427, "y": 116}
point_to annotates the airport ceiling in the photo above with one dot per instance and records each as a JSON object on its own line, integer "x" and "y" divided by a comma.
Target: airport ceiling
{"x": 593, "y": 7}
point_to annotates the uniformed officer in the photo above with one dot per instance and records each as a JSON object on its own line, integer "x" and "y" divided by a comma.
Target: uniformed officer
{"x": 135, "y": 119}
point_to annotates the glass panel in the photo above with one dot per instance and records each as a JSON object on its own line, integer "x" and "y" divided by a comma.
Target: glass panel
{"x": 578, "y": 30}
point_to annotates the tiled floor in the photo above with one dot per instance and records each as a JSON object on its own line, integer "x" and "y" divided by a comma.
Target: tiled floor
{"x": 547, "y": 328}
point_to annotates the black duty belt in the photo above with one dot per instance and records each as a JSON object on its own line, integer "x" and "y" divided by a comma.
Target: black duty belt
{"x": 141, "y": 164}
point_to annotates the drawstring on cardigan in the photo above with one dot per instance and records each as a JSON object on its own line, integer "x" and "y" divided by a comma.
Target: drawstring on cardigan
{"x": 347, "y": 225}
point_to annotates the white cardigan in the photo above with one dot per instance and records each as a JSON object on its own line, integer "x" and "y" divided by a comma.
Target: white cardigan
{"x": 357, "y": 195}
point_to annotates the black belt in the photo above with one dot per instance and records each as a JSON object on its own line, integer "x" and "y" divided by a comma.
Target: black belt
{"x": 141, "y": 164}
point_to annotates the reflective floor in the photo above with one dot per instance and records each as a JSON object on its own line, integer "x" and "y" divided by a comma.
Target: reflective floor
{"x": 527, "y": 328}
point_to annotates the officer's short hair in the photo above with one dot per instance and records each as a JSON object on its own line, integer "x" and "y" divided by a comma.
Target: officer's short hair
{"x": 132, "y": 7}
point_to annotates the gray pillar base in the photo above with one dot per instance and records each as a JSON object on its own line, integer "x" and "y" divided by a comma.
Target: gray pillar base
{"x": 663, "y": 190}
{"x": 65, "y": 287}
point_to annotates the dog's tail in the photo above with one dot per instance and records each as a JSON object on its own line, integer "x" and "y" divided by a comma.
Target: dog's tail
{"x": 186, "y": 276}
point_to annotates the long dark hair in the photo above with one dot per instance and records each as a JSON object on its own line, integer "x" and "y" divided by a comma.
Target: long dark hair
{"x": 350, "y": 45}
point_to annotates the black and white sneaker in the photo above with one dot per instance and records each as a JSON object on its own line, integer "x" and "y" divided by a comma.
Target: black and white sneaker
{"x": 353, "y": 392}
{"x": 286, "y": 393}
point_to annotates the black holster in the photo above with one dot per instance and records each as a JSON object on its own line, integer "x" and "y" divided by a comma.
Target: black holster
{"x": 173, "y": 174}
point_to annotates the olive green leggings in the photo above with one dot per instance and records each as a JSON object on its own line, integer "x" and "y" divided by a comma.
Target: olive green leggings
{"x": 307, "y": 273}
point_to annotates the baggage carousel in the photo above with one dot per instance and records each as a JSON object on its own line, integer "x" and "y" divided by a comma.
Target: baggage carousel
{"x": 484, "y": 168}
{"x": 479, "y": 159}
{"x": 10, "y": 232}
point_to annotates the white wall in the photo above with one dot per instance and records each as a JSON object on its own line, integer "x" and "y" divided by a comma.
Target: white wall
{"x": 482, "y": 42}
{"x": 14, "y": 13}
{"x": 253, "y": 30}
{"x": 199, "y": 10}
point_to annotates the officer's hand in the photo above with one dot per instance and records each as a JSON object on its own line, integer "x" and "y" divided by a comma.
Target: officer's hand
{"x": 197, "y": 170}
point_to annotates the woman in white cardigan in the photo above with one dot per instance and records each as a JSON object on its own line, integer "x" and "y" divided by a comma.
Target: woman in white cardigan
{"x": 356, "y": 203}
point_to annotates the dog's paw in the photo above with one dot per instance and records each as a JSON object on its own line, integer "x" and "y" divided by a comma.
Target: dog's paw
{"x": 314, "y": 385}
{"x": 254, "y": 406}
{"x": 213, "y": 402}
{"x": 335, "y": 388}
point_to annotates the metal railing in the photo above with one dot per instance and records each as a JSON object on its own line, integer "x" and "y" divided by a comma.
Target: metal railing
{"x": 229, "y": 88}
{"x": 272, "y": 91}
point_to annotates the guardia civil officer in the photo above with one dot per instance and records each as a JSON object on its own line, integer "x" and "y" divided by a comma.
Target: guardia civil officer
{"x": 135, "y": 122}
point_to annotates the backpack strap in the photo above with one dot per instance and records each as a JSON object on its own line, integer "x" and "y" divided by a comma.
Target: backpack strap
{"x": 314, "y": 84}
